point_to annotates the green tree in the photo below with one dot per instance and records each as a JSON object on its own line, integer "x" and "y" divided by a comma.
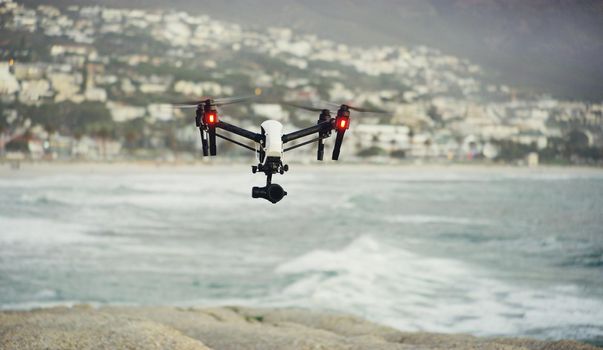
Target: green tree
{"x": 372, "y": 151}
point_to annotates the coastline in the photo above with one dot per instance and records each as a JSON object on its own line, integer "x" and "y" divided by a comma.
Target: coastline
{"x": 83, "y": 326}
{"x": 38, "y": 168}
{"x": 233, "y": 328}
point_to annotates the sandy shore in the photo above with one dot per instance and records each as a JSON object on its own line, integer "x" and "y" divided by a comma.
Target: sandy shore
{"x": 233, "y": 328}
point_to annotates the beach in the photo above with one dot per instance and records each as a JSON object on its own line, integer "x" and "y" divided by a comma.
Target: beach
{"x": 234, "y": 328}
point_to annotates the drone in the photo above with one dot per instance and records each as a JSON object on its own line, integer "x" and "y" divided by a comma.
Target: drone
{"x": 270, "y": 141}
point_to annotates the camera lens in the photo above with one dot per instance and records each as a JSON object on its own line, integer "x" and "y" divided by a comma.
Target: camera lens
{"x": 273, "y": 192}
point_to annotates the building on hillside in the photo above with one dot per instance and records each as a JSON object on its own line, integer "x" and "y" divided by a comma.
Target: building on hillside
{"x": 387, "y": 137}
{"x": 8, "y": 83}
{"x": 122, "y": 113}
{"x": 270, "y": 111}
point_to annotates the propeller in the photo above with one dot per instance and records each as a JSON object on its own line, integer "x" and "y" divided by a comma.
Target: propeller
{"x": 357, "y": 109}
{"x": 367, "y": 110}
{"x": 208, "y": 134}
{"x": 344, "y": 125}
{"x": 324, "y": 116}
{"x": 213, "y": 101}
{"x": 308, "y": 108}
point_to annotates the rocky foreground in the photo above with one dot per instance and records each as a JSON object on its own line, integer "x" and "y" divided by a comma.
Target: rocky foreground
{"x": 233, "y": 328}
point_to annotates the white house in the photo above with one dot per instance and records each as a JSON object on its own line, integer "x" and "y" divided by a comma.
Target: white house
{"x": 8, "y": 83}
{"x": 270, "y": 111}
{"x": 122, "y": 113}
{"x": 160, "y": 111}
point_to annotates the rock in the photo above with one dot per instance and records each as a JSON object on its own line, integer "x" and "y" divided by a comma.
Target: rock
{"x": 232, "y": 328}
{"x": 79, "y": 328}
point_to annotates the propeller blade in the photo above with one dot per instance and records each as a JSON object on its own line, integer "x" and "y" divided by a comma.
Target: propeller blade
{"x": 334, "y": 104}
{"x": 194, "y": 102}
{"x": 215, "y": 101}
{"x": 232, "y": 100}
{"x": 184, "y": 106}
{"x": 307, "y": 108}
{"x": 357, "y": 109}
{"x": 367, "y": 110}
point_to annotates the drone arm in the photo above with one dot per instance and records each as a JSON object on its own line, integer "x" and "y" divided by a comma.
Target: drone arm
{"x": 236, "y": 142}
{"x": 240, "y": 131}
{"x": 320, "y": 138}
{"x": 325, "y": 126}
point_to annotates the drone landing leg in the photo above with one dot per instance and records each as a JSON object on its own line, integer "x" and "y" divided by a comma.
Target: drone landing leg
{"x": 212, "y": 141}
{"x": 321, "y": 150}
{"x": 204, "y": 145}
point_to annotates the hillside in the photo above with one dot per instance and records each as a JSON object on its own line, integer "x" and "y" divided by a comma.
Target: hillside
{"x": 550, "y": 46}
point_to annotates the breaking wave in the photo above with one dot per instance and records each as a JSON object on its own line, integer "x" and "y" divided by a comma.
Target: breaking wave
{"x": 408, "y": 291}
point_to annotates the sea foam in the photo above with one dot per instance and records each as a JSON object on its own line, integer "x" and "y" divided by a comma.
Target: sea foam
{"x": 389, "y": 284}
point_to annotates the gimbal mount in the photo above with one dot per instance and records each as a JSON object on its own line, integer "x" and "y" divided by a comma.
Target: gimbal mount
{"x": 272, "y": 192}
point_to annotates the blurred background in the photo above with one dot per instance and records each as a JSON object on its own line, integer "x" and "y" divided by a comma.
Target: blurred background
{"x": 504, "y": 81}
{"x": 438, "y": 217}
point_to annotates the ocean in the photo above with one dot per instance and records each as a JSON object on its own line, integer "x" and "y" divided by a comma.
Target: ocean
{"x": 490, "y": 251}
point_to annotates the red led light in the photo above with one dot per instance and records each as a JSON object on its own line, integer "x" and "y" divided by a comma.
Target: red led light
{"x": 211, "y": 118}
{"x": 342, "y": 123}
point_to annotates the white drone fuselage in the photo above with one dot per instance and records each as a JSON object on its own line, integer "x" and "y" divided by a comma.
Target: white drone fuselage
{"x": 273, "y": 133}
